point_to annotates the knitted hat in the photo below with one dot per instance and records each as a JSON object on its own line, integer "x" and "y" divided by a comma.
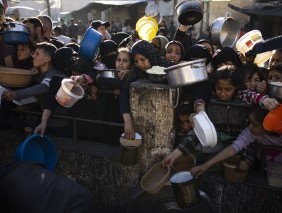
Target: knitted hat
{"x": 63, "y": 59}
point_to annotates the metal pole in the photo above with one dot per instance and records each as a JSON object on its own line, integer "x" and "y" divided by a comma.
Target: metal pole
{"x": 48, "y": 8}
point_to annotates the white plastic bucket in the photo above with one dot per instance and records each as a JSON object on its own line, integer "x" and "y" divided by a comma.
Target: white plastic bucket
{"x": 247, "y": 41}
{"x": 69, "y": 93}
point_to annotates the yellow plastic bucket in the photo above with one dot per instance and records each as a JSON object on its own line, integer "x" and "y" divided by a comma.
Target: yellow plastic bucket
{"x": 147, "y": 28}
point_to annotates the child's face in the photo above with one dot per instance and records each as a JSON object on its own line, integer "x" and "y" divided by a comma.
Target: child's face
{"x": 185, "y": 125}
{"x": 274, "y": 76}
{"x": 40, "y": 58}
{"x": 251, "y": 82}
{"x": 173, "y": 53}
{"x": 123, "y": 61}
{"x": 224, "y": 90}
{"x": 142, "y": 62}
{"x": 256, "y": 128}
{"x": 23, "y": 52}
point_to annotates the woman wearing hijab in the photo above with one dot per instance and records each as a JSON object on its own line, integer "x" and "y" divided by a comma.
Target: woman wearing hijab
{"x": 144, "y": 56}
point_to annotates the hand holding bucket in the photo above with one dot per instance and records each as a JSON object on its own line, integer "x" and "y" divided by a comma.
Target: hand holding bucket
{"x": 69, "y": 93}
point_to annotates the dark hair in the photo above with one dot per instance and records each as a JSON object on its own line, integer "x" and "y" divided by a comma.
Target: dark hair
{"x": 48, "y": 48}
{"x": 226, "y": 72}
{"x": 278, "y": 68}
{"x": 58, "y": 30}
{"x": 248, "y": 71}
{"x": 74, "y": 46}
{"x": 34, "y": 21}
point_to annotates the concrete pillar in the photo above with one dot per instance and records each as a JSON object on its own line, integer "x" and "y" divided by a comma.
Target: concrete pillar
{"x": 153, "y": 120}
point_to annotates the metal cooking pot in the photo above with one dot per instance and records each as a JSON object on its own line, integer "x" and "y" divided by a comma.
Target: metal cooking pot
{"x": 275, "y": 90}
{"x": 225, "y": 31}
{"x": 108, "y": 78}
{"x": 15, "y": 33}
{"x": 187, "y": 73}
{"x": 189, "y": 12}
{"x": 157, "y": 78}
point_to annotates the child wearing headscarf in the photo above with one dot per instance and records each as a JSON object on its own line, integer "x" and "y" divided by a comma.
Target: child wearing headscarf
{"x": 174, "y": 52}
{"x": 144, "y": 56}
{"x": 159, "y": 43}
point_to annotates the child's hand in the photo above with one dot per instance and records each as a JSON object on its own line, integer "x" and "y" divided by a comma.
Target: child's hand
{"x": 270, "y": 103}
{"x": 9, "y": 95}
{"x": 198, "y": 170}
{"x": 169, "y": 160}
{"x": 261, "y": 87}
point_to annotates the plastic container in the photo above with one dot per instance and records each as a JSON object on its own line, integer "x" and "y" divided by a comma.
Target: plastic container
{"x": 274, "y": 174}
{"x": 69, "y": 93}
{"x": 37, "y": 149}
{"x": 12, "y": 77}
{"x": 205, "y": 130}
{"x": 147, "y": 28}
{"x": 248, "y": 40}
{"x": 155, "y": 178}
{"x": 231, "y": 171}
{"x": 185, "y": 189}
{"x": 90, "y": 43}
{"x": 273, "y": 120}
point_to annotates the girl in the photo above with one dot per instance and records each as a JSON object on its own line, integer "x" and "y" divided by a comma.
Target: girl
{"x": 174, "y": 52}
{"x": 123, "y": 63}
{"x": 159, "y": 42}
{"x": 144, "y": 56}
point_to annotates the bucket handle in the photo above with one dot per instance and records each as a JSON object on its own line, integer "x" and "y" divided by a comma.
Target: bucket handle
{"x": 173, "y": 105}
{"x": 227, "y": 15}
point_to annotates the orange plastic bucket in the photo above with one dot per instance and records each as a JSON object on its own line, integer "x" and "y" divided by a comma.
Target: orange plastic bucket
{"x": 147, "y": 28}
{"x": 273, "y": 120}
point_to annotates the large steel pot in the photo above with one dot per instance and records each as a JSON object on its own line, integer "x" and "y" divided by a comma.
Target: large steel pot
{"x": 275, "y": 90}
{"x": 189, "y": 12}
{"x": 15, "y": 33}
{"x": 108, "y": 78}
{"x": 187, "y": 73}
{"x": 225, "y": 31}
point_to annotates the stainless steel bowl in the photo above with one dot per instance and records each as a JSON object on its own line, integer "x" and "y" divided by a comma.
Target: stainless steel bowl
{"x": 275, "y": 90}
{"x": 187, "y": 73}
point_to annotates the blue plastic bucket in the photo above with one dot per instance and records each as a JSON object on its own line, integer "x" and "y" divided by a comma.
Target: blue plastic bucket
{"x": 38, "y": 149}
{"x": 90, "y": 44}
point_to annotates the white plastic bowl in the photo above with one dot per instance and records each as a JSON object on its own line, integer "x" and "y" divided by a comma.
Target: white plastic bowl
{"x": 205, "y": 130}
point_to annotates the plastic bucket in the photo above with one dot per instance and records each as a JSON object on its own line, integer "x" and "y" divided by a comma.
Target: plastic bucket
{"x": 69, "y": 93}
{"x": 232, "y": 172}
{"x": 90, "y": 44}
{"x": 129, "y": 155}
{"x": 274, "y": 174}
{"x": 185, "y": 189}
{"x": 147, "y": 28}
{"x": 248, "y": 40}
{"x": 37, "y": 149}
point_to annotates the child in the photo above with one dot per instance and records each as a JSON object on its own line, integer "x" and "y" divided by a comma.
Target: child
{"x": 24, "y": 54}
{"x": 191, "y": 144}
{"x": 254, "y": 132}
{"x": 174, "y": 52}
{"x": 226, "y": 82}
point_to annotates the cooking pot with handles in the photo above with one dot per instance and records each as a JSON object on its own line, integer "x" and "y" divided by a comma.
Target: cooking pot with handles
{"x": 108, "y": 78}
{"x": 187, "y": 73}
{"x": 189, "y": 12}
{"x": 15, "y": 33}
{"x": 225, "y": 31}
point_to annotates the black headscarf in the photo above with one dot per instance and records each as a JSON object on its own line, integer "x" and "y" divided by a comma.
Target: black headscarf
{"x": 224, "y": 55}
{"x": 181, "y": 48}
{"x": 63, "y": 59}
{"x": 106, "y": 47}
{"x": 149, "y": 51}
{"x": 198, "y": 51}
